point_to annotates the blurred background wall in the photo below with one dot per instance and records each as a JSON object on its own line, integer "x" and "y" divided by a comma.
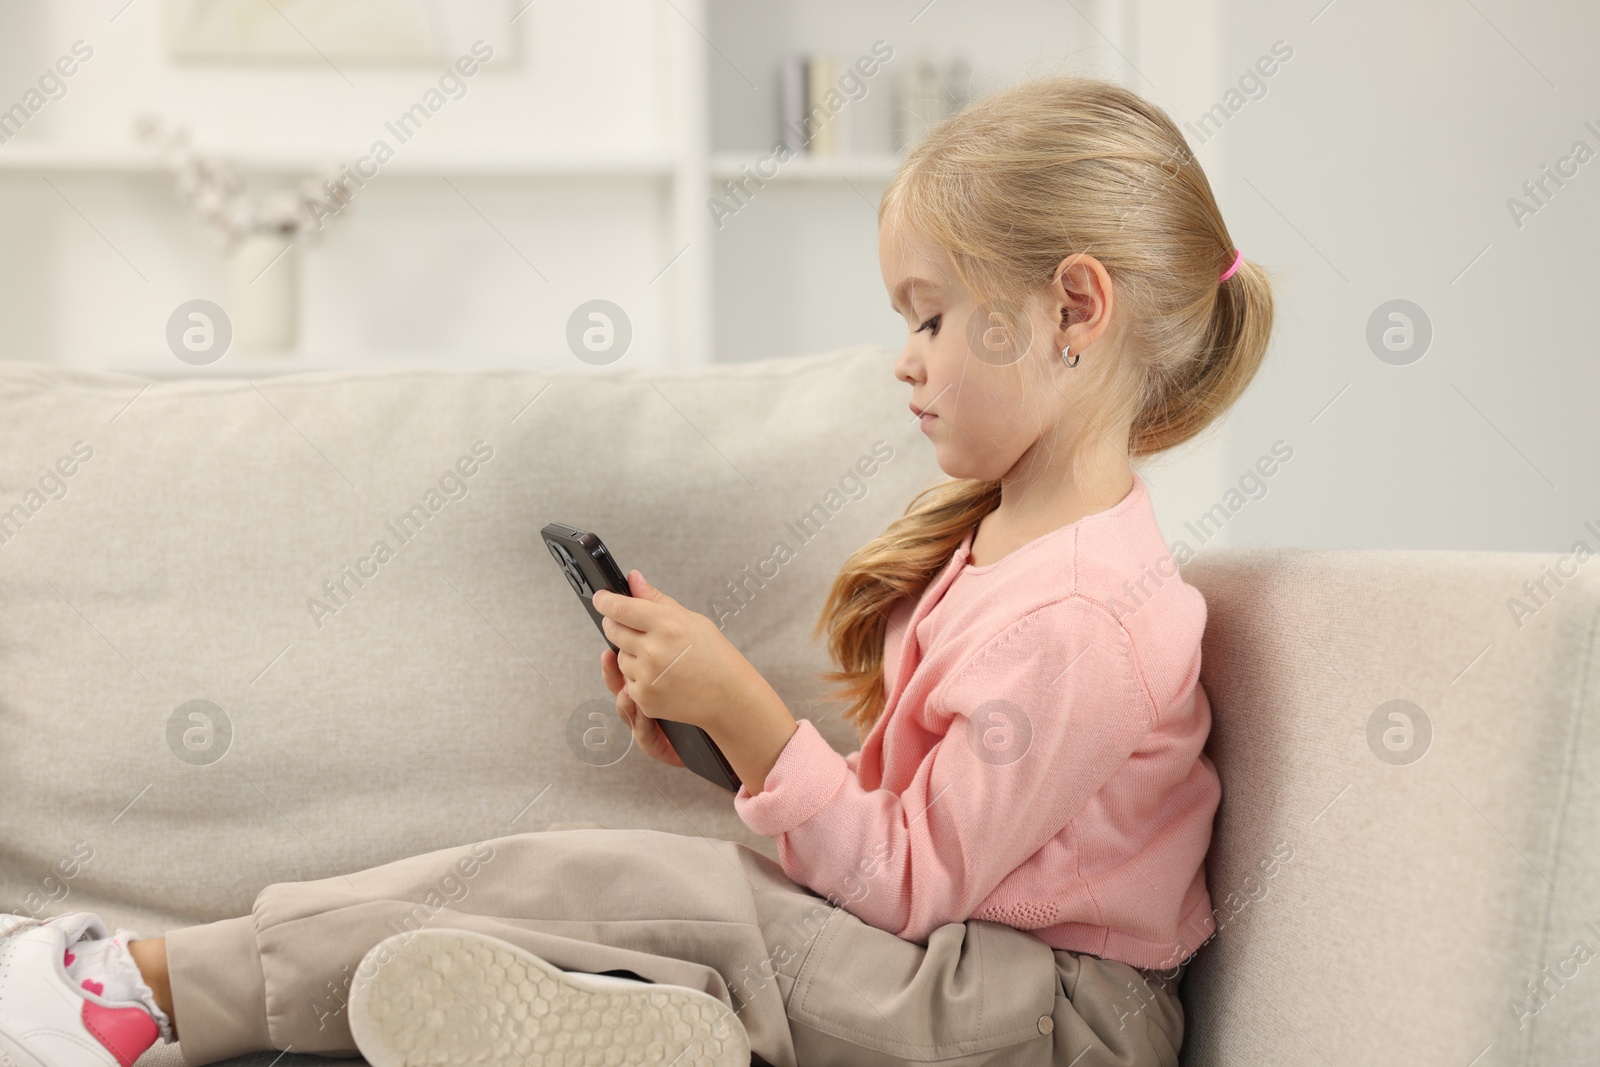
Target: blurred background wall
{"x": 1432, "y": 372}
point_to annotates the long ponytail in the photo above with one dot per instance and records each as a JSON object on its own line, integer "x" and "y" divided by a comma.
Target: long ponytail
{"x": 1186, "y": 402}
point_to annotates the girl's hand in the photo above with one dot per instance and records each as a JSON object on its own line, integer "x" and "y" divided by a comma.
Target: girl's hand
{"x": 646, "y": 732}
{"x": 675, "y": 663}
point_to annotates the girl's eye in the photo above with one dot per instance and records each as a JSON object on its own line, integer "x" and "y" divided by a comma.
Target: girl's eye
{"x": 932, "y": 326}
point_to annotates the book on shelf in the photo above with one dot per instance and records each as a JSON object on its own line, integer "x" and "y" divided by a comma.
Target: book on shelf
{"x": 810, "y": 127}
{"x": 820, "y": 74}
{"x": 814, "y": 112}
{"x": 792, "y": 100}
{"x": 926, "y": 94}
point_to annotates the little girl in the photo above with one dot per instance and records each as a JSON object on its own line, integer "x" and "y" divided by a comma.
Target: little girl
{"x": 1010, "y": 869}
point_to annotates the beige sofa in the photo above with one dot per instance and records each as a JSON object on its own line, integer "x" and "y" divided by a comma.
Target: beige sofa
{"x": 1371, "y": 910}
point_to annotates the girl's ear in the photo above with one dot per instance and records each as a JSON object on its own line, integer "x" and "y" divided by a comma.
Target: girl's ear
{"x": 1084, "y": 299}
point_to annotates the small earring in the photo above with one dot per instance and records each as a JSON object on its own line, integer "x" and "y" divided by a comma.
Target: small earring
{"x": 1073, "y": 362}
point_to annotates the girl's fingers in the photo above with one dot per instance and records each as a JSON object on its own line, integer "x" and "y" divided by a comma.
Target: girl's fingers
{"x": 624, "y": 637}
{"x": 630, "y": 613}
{"x": 656, "y": 742}
{"x": 622, "y": 671}
{"x": 646, "y": 731}
{"x": 611, "y": 671}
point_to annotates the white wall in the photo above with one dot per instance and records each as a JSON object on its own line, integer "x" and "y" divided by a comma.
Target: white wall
{"x": 1378, "y": 167}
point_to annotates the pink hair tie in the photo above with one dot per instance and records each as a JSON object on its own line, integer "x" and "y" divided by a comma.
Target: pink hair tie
{"x": 1238, "y": 259}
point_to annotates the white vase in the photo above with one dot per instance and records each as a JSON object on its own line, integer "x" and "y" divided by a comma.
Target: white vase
{"x": 263, "y": 292}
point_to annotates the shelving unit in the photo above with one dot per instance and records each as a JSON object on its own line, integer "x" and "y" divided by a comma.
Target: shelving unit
{"x": 795, "y": 271}
{"x": 876, "y": 166}
{"x": 26, "y": 158}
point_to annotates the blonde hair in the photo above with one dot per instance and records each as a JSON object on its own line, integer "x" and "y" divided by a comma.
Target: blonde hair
{"x": 1008, "y": 188}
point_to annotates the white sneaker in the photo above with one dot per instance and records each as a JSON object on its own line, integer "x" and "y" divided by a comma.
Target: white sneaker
{"x": 455, "y": 996}
{"x": 46, "y": 1020}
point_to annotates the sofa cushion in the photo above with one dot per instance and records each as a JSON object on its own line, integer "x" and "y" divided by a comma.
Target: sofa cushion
{"x": 1389, "y": 900}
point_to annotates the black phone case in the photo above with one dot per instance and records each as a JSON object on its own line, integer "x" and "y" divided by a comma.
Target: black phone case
{"x": 587, "y": 565}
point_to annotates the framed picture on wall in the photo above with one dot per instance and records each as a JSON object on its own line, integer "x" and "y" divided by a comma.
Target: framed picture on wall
{"x": 294, "y": 32}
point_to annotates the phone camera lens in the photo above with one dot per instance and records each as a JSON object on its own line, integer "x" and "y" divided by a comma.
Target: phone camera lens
{"x": 569, "y": 567}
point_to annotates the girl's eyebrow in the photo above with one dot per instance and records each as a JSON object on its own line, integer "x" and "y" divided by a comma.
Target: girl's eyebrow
{"x": 901, "y": 290}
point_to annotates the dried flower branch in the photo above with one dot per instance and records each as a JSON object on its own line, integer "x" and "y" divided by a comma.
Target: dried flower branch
{"x": 215, "y": 190}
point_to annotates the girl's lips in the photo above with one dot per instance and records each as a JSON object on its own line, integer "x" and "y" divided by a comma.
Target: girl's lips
{"x": 926, "y": 420}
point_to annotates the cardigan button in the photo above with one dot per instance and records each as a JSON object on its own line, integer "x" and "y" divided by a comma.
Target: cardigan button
{"x": 1046, "y": 1024}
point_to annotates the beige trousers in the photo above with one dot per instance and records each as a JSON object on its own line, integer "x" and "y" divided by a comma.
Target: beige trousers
{"x": 812, "y": 984}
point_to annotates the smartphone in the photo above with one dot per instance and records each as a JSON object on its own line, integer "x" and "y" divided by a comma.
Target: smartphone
{"x": 583, "y": 558}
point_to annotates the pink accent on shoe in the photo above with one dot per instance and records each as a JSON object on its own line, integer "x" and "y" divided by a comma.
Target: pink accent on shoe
{"x": 125, "y": 1032}
{"x": 97, "y": 988}
{"x": 67, "y": 962}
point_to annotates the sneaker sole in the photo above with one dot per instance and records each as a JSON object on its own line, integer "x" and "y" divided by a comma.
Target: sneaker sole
{"x": 12, "y": 1052}
{"x": 458, "y": 997}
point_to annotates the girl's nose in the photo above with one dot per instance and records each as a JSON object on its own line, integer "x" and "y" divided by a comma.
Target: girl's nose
{"x": 908, "y": 368}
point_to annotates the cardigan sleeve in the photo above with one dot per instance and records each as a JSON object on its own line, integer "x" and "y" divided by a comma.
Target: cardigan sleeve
{"x": 1037, "y": 721}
